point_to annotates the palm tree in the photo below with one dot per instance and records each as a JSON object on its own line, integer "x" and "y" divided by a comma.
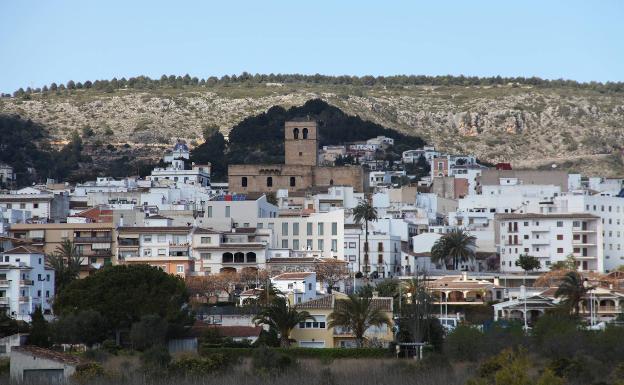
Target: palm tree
{"x": 364, "y": 211}
{"x": 358, "y": 313}
{"x": 65, "y": 261}
{"x": 454, "y": 247}
{"x": 572, "y": 289}
{"x": 282, "y": 318}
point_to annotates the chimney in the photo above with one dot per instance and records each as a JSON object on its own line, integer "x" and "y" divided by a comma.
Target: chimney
{"x": 496, "y": 281}
{"x": 464, "y": 277}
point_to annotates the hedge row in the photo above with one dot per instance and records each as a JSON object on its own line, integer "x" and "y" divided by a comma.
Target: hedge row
{"x": 326, "y": 353}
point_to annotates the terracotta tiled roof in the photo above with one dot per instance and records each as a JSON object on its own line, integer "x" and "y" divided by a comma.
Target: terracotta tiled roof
{"x": 24, "y": 250}
{"x": 201, "y": 230}
{"x": 244, "y": 230}
{"x": 326, "y": 302}
{"x": 154, "y": 229}
{"x": 49, "y": 354}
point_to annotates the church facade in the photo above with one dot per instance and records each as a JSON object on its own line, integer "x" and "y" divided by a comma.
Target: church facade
{"x": 300, "y": 170}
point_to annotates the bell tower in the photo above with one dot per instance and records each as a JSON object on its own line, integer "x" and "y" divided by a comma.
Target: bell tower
{"x": 301, "y": 143}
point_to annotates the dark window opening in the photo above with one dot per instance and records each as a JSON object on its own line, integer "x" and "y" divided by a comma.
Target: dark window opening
{"x": 305, "y": 133}
{"x": 292, "y": 181}
{"x": 244, "y": 181}
{"x": 270, "y": 181}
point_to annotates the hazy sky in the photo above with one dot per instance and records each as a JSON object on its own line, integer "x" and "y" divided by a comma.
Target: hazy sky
{"x": 55, "y": 40}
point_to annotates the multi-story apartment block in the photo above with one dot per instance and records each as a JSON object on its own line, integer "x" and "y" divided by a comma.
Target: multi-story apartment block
{"x": 25, "y": 283}
{"x": 317, "y": 231}
{"x": 43, "y": 205}
{"x": 551, "y": 238}
{"x": 235, "y": 251}
{"x": 157, "y": 244}
{"x": 94, "y": 241}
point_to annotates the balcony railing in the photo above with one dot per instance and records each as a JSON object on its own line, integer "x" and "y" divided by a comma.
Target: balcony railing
{"x": 129, "y": 242}
{"x": 4, "y": 300}
{"x": 107, "y": 239}
{"x": 26, "y": 282}
{"x": 4, "y": 283}
{"x": 24, "y": 299}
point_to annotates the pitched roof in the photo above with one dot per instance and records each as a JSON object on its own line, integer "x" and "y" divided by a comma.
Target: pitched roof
{"x": 48, "y": 354}
{"x": 202, "y": 230}
{"x": 24, "y": 250}
{"x": 291, "y": 276}
{"x": 546, "y": 216}
{"x": 330, "y": 301}
{"x": 326, "y": 302}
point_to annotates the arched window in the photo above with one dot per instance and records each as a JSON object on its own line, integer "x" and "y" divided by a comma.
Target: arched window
{"x": 296, "y": 133}
{"x": 305, "y": 133}
{"x": 239, "y": 257}
{"x": 251, "y": 257}
{"x": 228, "y": 257}
{"x": 270, "y": 181}
{"x": 292, "y": 181}
{"x": 244, "y": 181}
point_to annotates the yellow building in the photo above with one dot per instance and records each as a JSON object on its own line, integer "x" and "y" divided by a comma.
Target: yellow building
{"x": 317, "y": 334}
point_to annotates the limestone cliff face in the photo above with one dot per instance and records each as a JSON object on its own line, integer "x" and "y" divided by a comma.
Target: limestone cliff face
{"x": 579, "y": 130}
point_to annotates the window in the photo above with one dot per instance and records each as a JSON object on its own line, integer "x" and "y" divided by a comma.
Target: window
{"x": 292, "y": 181}
{"x": 180, "y": 268}
{"x": 334, "y": 245}
{"x": 559, "y": 250}
{"x": 295, "y": 244}
{"x": 295, "y": 133}
{"x": 309, "y": 244}
{"x": 560, "y": 237}
{"x": 162, "y": 251}
{"x": 244, "y": 181}
{"x": 305, "y": 133}
{"x": 334, "y": 228}
{"x": 206, "y": 256}
{"x": 559, "y": 223}
{"x": 147, "y": 252}
{"x": 227, "y": 211}
{"x": 239, "y": 257}
{"x": 228, "y": 258}
{"x": 320, "y": 244}
{"x": 309, "y": 228}
{"x": 526, "y": 236}
{"x": 295, "y": 228}
{"x": 269, "y": 181}
{"x": 162, "y": 238}
{"x": 284, "y": 243}
{"x": 251, "y": 257}
{"x": 285, "y": 228}
{"x": 526, "y": 223}
{"x": 147, "y": 238}
{"x": 320, "y": 228}
{"x": 209, "y": 211}
{"x": 35, "y": 205}
{"x": 22, "y": 205}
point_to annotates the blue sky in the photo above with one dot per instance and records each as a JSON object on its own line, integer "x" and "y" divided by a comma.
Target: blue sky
{"x": 43, "y": 41}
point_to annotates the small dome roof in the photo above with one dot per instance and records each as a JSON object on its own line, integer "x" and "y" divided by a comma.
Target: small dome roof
{"x": 180, "y": 146}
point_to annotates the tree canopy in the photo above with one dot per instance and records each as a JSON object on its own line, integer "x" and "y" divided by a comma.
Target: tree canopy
{"x": 123, "y": 294}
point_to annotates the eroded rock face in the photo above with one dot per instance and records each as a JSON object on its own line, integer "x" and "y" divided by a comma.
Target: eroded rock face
{"x": 580, "y": 130}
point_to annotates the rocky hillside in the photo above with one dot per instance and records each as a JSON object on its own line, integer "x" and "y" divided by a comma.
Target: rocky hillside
{"x": 577, "y": 129}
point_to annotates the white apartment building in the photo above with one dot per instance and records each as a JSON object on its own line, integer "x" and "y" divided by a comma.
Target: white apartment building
{"x": 551, "y": 238}
{"x": 412, "y": 156}
{"x": 609, "y": 208}
{"x": 12, "y": 216}
{"x": 25, "y": 283}
{"x": 226, "y": 211}
{"x": 384, "y": 252}
{"x": 43, "y": 205}
{"x": 318, "y": 231}
{"x": 384, "y": 178}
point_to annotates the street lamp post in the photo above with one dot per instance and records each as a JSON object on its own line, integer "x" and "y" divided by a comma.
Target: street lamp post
{"x": 523, "y": 294}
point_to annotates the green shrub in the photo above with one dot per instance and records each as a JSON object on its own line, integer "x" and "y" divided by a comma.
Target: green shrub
{"x": 110, "y": 346}
{"x": 195, "y": 367}
{"x": 464, "y": 343}
{"x": 87, "y": 373}
{"x": 270, "y": 361}
{"x": 328, "y": 353}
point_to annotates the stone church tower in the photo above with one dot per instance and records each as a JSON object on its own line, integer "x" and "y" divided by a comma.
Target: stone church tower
{"x": 301, "y": 146}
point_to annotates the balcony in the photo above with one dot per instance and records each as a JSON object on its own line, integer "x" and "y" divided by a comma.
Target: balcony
{"x": 128, "y": 243}
{"x": 4, "y": 301}
{"x": 107, "y": 239}
{"x": 4, "y": 283}
{"x": 26, "y": 282}
{"x": 24, "y": 299}
{"x": 342, "y": 331}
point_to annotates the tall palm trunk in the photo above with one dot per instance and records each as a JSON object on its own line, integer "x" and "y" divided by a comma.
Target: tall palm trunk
{"x": 366, "y": 246}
